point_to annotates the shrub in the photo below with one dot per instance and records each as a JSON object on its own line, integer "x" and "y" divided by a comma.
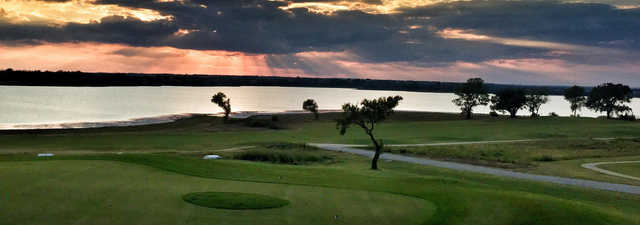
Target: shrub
{"x": 544, "y": 158}
{"x": 293, "y": 157}
{"x": 263, "y": 123}
{"x": 553, "y": 114}
{"x": 494, "y": 114}
{"x": 627, "y": 117}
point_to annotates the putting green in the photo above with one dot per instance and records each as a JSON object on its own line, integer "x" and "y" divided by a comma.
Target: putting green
{"x": 106, "y": 192}
{"x": 233, "y": 200}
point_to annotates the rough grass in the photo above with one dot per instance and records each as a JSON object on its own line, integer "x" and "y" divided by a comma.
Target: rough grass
{"x": 208, "y": 133}
{"x": 526, "y": 154}
{"x": 98, "y": 192}
{"x": 285, "y": 153}
{"x": 573, "y": 169}
{"x": 631, "y": 169}
{"x": 234, "y": 200}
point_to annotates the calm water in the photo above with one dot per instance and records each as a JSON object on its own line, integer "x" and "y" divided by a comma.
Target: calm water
{"x": 20, "y": 106}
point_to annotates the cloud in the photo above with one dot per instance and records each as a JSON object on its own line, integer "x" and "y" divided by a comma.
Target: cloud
{"x": 587, "y": 33}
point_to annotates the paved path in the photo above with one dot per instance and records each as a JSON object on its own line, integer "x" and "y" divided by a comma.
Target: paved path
{"x": 594, "y": 166}
{"x": 486, "y": 170}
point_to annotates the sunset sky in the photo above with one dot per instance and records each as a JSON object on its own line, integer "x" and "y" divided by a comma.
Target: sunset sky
{"x": 518, "y": 42}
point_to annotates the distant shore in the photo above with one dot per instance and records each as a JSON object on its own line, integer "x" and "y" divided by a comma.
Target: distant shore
{"x": 165, "y": 119}
{"x": 82, "y": 79}
{"x": 162, "y": 120}
{"x": 99, "y": 124}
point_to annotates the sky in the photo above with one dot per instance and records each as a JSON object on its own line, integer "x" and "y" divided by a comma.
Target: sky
{"x": 529, "y": 42}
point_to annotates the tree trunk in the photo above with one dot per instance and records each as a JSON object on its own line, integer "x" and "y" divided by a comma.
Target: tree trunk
{"x": 513, "y": 113}
{"x": 469, "y": 114}
{"x": 609, "y": 114}
{"x": 226, "y": 115}
{"x": 376, "y": 156}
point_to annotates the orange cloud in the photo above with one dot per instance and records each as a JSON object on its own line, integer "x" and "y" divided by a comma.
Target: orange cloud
{"x": 77, "y": 11}
{"x": 385, "y": 7}
{"x": 97, "y": 57}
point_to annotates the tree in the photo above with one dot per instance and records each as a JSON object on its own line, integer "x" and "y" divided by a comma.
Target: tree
{"x": 311, "y": 106}
{"x": 575, "y": 96}
{"x": 471, "y": 94}
{"x": 366, "y": 116}
{"x": 225, "y": 103}
{"x": 610, "y": 98}
{"x": 509, "y": 100}
{"x": 534, "y": 100}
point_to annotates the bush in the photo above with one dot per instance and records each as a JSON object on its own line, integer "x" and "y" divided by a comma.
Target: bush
{"x": 544, "y": 158}
{"x": 494, "y": 114}
{"x": 627, "y": 117}
{"x": 293, "y": 157}
{"x": 553, "y": 114}
{"x": 263, "y": 123}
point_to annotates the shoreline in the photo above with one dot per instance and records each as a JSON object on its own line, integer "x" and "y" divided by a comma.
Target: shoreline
{"x": 162, "y": 119}
{"x": 100, "y": 124}
{"x": 170, "y": 118}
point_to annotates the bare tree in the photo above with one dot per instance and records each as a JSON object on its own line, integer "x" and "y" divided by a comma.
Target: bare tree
{"x": 366, "y": 116}
{"x": 610, "y": 98}
{"x": 471, "y": 94}
{"x": 311, "y": 106}
{"x": 575, "y": 96}
{"x": 510, "y": 100}
{"x": 534, "y": 100}
{"x": 225, "y": 103}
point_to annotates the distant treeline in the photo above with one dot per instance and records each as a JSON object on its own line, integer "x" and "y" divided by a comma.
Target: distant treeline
{"x": 77, "y": 78}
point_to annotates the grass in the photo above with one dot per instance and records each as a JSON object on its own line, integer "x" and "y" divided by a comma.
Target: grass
{"x": 208, "y": 133}
{"x": 415, "y": 194}
{"x": 234, "y": 200}
{"x": 631, "y": 169}
{"x": 526, "y": 154}
{"x": 573, "y": 169}
{"x": 556, "y": 157}
{"x": 143, "y": 188}
{"x": 113, "y": 192}
{"x": 283, "y": 157}
{"x": 285, "y": 153}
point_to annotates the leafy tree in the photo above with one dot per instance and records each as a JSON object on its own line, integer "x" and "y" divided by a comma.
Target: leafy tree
{"x": 225, "y": 103}
{"x": 610, "y": 98}
{"x": 575, "y": 96}
{"x": 366, "y": 116}
{"x": 471, "y": 94}
{"x": 534, "y": 100}
{"x": 509, "y": 100}
{"x": 311, "y": 106}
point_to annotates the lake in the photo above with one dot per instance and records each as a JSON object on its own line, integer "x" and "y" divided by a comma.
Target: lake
{"x": 52, "y": 107}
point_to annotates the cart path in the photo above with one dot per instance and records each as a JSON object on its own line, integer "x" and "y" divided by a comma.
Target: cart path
{"x": 624, "y": 188}
{"x": 594, "y": 166}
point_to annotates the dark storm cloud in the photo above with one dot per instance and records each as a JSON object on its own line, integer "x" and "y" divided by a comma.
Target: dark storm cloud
{"x": 114, "y": 29}
{"x": 575, "y": 23}
{"x": 260, "y": 26}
